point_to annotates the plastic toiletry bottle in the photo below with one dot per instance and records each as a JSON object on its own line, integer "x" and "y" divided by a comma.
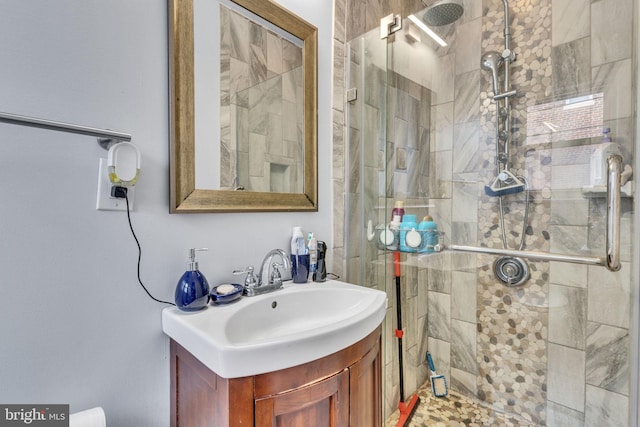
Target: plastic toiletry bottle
{"x": 428, "y": 229}
{"x": 299, "y": 257}
{"x": 313, "y": 253}
{"x": 409, "y": 227}
{"x": 398, "y": 210}
{"x": 298, "y": 245}
{"x": 192, "y": 290}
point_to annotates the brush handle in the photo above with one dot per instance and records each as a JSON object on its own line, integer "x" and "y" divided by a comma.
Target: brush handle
{"x": 430, "y": 362}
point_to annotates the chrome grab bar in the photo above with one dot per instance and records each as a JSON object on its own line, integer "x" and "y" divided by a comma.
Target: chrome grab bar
{"x": 612, "y": 258}
{"x": 614, "y": 163}
{"x": 536, "y": 256}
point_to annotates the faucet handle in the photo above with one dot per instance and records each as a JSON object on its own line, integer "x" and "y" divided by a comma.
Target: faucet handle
{"x": 276, "y": 277}
{"x": 249, "y": 281}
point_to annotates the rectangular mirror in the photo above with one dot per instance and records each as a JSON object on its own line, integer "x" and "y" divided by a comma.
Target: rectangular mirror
{"x": 243, "y": 91}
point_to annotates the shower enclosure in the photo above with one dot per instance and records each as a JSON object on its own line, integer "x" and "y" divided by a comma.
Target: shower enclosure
{"x": 422, "y": 124}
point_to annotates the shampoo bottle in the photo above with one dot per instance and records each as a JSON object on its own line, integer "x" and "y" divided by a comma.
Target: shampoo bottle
{"x": 430, "y": 236}
{"x": 192, "y": 290}
{"x": 408, "y": 228}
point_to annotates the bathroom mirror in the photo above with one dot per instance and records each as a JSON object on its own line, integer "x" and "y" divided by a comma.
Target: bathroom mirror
{"x": 291, "y": 184}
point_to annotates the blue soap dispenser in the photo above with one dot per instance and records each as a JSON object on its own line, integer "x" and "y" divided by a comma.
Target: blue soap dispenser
{"x": 192, "y": 290}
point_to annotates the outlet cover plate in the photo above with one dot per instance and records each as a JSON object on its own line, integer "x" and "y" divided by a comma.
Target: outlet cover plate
{"x": 104, "y": 200}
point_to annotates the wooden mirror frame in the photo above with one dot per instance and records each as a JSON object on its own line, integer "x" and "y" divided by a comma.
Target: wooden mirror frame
{"x": 184, "y": 196}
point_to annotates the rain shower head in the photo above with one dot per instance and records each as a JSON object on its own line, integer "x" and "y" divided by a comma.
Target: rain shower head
{"x": 443, "y": 12}
{"x": 491, "y": 61}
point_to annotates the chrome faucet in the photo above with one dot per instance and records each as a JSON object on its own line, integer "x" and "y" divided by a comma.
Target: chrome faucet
{"x": 271, "y": 275}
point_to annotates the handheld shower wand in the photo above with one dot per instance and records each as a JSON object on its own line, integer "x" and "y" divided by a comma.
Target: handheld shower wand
{"x": 492, "y": 61}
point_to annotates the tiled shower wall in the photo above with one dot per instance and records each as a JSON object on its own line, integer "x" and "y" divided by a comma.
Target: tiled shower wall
{"x": 555, "y": 350}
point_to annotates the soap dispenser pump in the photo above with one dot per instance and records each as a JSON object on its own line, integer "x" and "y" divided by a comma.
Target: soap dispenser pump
{"x": 192, "y": 290}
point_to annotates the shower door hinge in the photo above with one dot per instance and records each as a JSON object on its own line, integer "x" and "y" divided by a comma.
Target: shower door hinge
{"x": 389, "y": 25}
{"x": 352, "y": 95}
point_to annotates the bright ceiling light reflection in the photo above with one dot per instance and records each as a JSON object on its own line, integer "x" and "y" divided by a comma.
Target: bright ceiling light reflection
{"x": 427, "y": 30}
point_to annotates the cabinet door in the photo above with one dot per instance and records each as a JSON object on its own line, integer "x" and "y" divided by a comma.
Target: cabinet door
{"x": 365, "y": 406}
{"x": 325, "y": 403}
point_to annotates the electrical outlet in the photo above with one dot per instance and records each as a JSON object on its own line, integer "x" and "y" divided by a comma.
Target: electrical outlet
{"x": 104, "y": 200}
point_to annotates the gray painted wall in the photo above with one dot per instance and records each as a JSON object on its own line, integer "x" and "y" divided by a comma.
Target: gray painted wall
{"x": 75, "y": 327}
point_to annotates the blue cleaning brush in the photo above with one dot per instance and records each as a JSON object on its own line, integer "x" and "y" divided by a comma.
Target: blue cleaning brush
{"x": 489, "y": 191}
{"x": 438, "y": 382}
{"x": 505, "y": 183}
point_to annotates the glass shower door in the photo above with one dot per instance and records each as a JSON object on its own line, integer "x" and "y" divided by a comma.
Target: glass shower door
{"x": 422, "y": 130}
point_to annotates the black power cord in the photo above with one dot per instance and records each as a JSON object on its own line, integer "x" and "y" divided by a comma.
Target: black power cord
{"x": 121, "y": 193}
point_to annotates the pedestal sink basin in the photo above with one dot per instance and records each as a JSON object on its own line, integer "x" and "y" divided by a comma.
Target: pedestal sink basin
{"x": 297, "y": 324}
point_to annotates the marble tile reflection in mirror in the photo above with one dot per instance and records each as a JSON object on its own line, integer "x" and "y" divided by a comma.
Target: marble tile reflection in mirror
{"x": 262, "y": 135}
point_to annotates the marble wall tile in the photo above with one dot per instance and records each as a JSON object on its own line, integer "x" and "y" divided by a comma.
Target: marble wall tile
{"x": 291, "y": 55}
{"x": 567, "y": 316}
{"x": 560, "y": 416}
{"x": 605, "y": 408}
{"x": 440, "y": 174}
{"x": 238, "y": 75}
{"x": 355, "y": 19}
{"x": 608, "y": 357}
{"x": 463, "y": 381}
{"x": 464, "y": 201}
{"x": 468, "y": 46}
{"x": 611, "y": 24}
{"x": 439, "y": 316}
{"x": 423, "y": 292}
{"x": 566, "y": 384}
{"x": 614, "y": 80}
{"x": 571, "y": 68}
{"x": 338, "y": 151}
{"x": 274, "y": 54}
{"x": 443, "y": 84}
{"x": 257, "y": 64}
{"x": 442, "y": 129}
{"x": 463, "y": 296}
{"x": 609, "y": 300}
{"x": 568, "y": 274}
{"x": 569, "y": 212}
{"x": 464, "y": 233}
{"x": 238, "y": 40}
{"x": 439, "y": 273}
{"x": 463, "y": 345}
{"x": 339, "y": 14}
{"x": 570, "y": 20}
{"x": 466, "y": 147}
{"x": 338, "y": 98}
{"x": 467, "y": 105}
{"x": 568, "y": 239}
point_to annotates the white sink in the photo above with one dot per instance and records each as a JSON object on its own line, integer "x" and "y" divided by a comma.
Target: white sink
{"x": 278, "y": 330}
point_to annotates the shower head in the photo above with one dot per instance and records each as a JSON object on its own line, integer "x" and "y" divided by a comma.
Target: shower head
{"x": 491, "y": 61}
{"x": 443, "y": 12}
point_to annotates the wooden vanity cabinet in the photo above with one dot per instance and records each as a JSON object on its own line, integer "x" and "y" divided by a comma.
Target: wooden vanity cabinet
{"x": 339, "y": 390}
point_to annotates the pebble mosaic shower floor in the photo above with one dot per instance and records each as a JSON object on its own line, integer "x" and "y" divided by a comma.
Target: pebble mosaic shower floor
{"x": 455, "y": 410}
